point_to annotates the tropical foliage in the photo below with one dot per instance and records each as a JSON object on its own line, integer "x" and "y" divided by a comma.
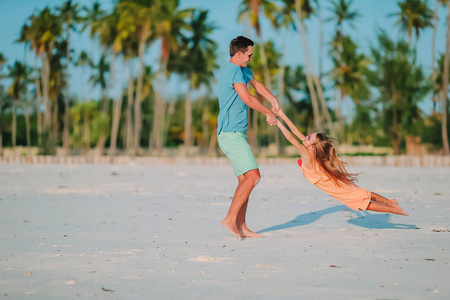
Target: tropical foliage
{"x": 134, "y": 115}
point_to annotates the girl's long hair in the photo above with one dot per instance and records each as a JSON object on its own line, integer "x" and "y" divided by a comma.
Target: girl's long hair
{"x": 330, "y": 163}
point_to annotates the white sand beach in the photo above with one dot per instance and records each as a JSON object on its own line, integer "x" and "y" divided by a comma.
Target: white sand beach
{"x": 152, "y": 232}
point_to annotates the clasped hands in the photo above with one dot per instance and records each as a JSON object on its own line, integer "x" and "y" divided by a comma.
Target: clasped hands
{"x": 271, "y": 118}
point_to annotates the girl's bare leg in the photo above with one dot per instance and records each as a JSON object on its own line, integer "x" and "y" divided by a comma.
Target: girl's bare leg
{"x": 385, "y": 201}
{"x": 374, "y": 206}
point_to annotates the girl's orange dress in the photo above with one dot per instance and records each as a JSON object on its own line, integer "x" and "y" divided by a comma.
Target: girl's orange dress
{"x": 348, "y": 194}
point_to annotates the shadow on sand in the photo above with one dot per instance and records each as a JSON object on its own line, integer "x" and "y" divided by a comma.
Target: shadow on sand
{"x": 378, "y": 221}
{"x": 364, "y": 219}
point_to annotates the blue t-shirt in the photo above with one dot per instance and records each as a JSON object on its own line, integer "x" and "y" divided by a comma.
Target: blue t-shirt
{"x": 233, "y": 114}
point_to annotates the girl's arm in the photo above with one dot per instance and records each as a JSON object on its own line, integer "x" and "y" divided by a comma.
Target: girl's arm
{"x": 291, "y": 125}
{"x": 302, "y": 149}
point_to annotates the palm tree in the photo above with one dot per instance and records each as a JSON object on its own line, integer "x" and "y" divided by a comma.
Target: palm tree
{"x": 349, "y": 75}
{"x": 139, "y": 14}
{"x": 25, "y": 38}
{"x": 297, "y": 87}
{"x": 170, "y": 22}
{"x": 3, "y": 60}
{"x": 341, "y": 14}
{"x": 90, "y": 19}
{"x": 82, "y": 116}
{"x": 111, "y": 40}
{"x": 273, "y": 58}
{"x": 18, "y": 89}
{"x": 270, "y": 11}
{"x": 130, "y": 51}
{"x": 401, "y": 85}
{"x": 413, "y": 15}
{"x": 196, "y": 61}
{"x": 445, "y": 81}
{"x": 42, "y": 33}
{"x": 433, "y": 52}
{"x": 100, "y": 78}
{"x": 83, "y": 61}
{"x": 70, "y": 17}
{"x": 303, "y": 10}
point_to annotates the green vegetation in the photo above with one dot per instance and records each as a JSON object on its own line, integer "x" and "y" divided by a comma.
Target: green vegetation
{"x": 134, "y": 115}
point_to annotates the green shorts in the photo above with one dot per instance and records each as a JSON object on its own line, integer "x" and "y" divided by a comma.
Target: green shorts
{"x": 234, "y": 145}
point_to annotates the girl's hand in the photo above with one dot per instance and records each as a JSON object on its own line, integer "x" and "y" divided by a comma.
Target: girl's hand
{"x": 278, "y": 112}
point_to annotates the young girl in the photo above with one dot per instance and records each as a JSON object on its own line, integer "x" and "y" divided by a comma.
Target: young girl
{"x": 323, "y": 168}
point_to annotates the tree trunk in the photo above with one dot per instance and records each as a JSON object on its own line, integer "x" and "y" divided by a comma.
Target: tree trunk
{"x": 166, "y": 124}
{"x": 66, "y": 102}
{"x": 157, "y": 138}
{"x": 213, "y": 142}
{"x": 205, "y": 127}
{"x": 308, "y": 71}
{"x": 433, "y": 71}
{"x": 115, "y": 125}
{"x": 137, "y": 104}
{"x": 14, "y": 127}
{"x": 311, "y": 70}
{"x": 1, "y": 129}
{"x": 255, "y": 126}
{"x": 128, "y": 116}
{"x": 102, "y": 139}
{"x": 262, "y": 53}
{"x": 37, "y": 85}
{"x": 27, "y": 125}
{"x": 1, "y": 117}
{"x": 320, "y": 43}
{"x": 324, "y": 106}
{"x": 280, "y": 97}
{"x": 87, "y": 131}
{"x": 55, "y": 127}
{"x": 315, "y": 104}
{"x": 445, "y": 88}
{"x": 188, "y": 124}
{"x": 45, "y": 91}
{"x": 341, "y": 125}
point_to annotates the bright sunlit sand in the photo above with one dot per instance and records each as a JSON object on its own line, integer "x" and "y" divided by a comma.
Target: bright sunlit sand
{"x": 153, "y": 232}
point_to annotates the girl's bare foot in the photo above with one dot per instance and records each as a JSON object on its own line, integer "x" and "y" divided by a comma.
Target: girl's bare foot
{"x": 398, "y": 210}
{"x": 231, "y": 228}
{"x": 393, "y": 203}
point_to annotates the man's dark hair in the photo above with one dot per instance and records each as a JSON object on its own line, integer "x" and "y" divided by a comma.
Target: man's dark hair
{"x": 240, "y": 44}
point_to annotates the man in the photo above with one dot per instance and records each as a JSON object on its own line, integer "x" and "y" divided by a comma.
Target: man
{"x": 232, "y": 123}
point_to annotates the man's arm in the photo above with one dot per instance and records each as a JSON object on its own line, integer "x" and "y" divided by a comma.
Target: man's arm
{"x": 251, "y": 101}
{"x": 263, "y": 91}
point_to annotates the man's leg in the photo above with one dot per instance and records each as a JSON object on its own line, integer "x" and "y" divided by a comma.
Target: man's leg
{"x": 246, "y": 184}
{"x": 240, "y": 222}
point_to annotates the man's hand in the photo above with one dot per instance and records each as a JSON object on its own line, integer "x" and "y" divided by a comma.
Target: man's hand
{"x": 271, "y": 119}
{"x": 276, "y": 107}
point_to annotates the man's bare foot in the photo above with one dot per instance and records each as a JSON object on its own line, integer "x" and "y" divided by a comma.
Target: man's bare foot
{"x": 247, "y": 233}
{"x": 399, "y": 211}
{"x": 251, "y": 234}
{"x": 231, "y": 228}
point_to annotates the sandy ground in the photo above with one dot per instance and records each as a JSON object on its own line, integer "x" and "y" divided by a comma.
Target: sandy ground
{"x": 153, "y": 232}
